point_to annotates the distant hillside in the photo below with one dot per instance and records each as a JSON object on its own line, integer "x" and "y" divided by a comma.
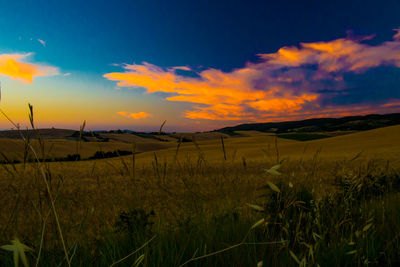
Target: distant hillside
{"x": 352, "y": 123}
{"x": 50, "y": 133}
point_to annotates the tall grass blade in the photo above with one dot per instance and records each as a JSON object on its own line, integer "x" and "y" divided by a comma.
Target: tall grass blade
{"x": 223, "y": 146}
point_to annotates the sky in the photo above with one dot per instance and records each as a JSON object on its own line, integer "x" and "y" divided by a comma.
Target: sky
{"x": 199, "y": 65}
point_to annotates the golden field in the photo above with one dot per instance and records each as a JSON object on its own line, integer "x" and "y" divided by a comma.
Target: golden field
{"x": 378, "y": 143}
{"x": 178, "y": 181}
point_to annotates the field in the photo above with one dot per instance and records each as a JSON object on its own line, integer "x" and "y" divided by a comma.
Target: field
{"x": 246, "y": 199}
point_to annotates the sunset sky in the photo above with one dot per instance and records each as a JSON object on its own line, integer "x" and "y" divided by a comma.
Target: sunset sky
{"x": 200, "y": 65}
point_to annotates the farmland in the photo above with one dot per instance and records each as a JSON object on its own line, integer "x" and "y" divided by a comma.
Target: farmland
{"x": 186, "y": 202}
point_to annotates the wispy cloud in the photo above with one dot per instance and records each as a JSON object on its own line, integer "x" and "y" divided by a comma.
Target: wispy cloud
{"x": 136, "y": 116}
{"x": 67, "y": 74}
{"x": 42, "y": 42}
{"x": 397, "y": 35}
{"x": 16, "y": 67}
{"x": 294, "y": 82}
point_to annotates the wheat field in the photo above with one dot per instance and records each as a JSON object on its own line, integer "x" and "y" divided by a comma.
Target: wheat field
{"x": 171, "y": 186}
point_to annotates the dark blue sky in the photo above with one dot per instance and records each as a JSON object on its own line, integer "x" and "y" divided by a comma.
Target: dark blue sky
{"x": 217, "y": 34}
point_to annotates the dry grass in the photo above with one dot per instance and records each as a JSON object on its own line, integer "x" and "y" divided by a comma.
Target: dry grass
{"x": 383, "y": 143}
{"x": 179, "y": 185}
{"x": 107, "y": 187}
{"x": 13, "y": 148}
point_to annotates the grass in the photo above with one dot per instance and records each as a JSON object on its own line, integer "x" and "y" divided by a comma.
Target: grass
{"x": 58, "y": 148}
{"x": 303, "y": 136}
{"x": 209, "y": 223}
{"x": 211, "y": 202}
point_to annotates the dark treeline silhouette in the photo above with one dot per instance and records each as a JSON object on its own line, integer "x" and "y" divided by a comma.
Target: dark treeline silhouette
{"x": 110, "y": 154}
{"x": 85, "y": 136}
{"x": 74, "y": 157}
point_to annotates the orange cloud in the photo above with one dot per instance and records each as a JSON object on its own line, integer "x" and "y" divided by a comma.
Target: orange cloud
{"x": 225, "y": 95}
{"x": 282, "y": 84}
{"x": 339, "y": 55}
{"x": 14, "y": 67}
{"x": 394, "y": 103}
{"x": 283, "y": 104}
{"x": 397, "y": 34}
{"x": 139, "y": 115}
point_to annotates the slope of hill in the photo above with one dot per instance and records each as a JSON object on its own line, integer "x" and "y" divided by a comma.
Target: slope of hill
{"x": 383, "y": 143}
{"x": 353, "y": 123}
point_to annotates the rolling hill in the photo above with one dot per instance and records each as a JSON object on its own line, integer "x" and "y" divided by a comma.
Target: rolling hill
{"x": 352, "y": 123}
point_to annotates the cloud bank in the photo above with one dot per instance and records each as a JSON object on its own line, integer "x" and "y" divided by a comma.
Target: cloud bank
{"x": 309, "y": 80}
{"x": 15, "y": 67}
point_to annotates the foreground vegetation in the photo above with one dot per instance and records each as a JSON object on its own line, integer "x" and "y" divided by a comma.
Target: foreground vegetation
{"x": 206, "y": 204}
